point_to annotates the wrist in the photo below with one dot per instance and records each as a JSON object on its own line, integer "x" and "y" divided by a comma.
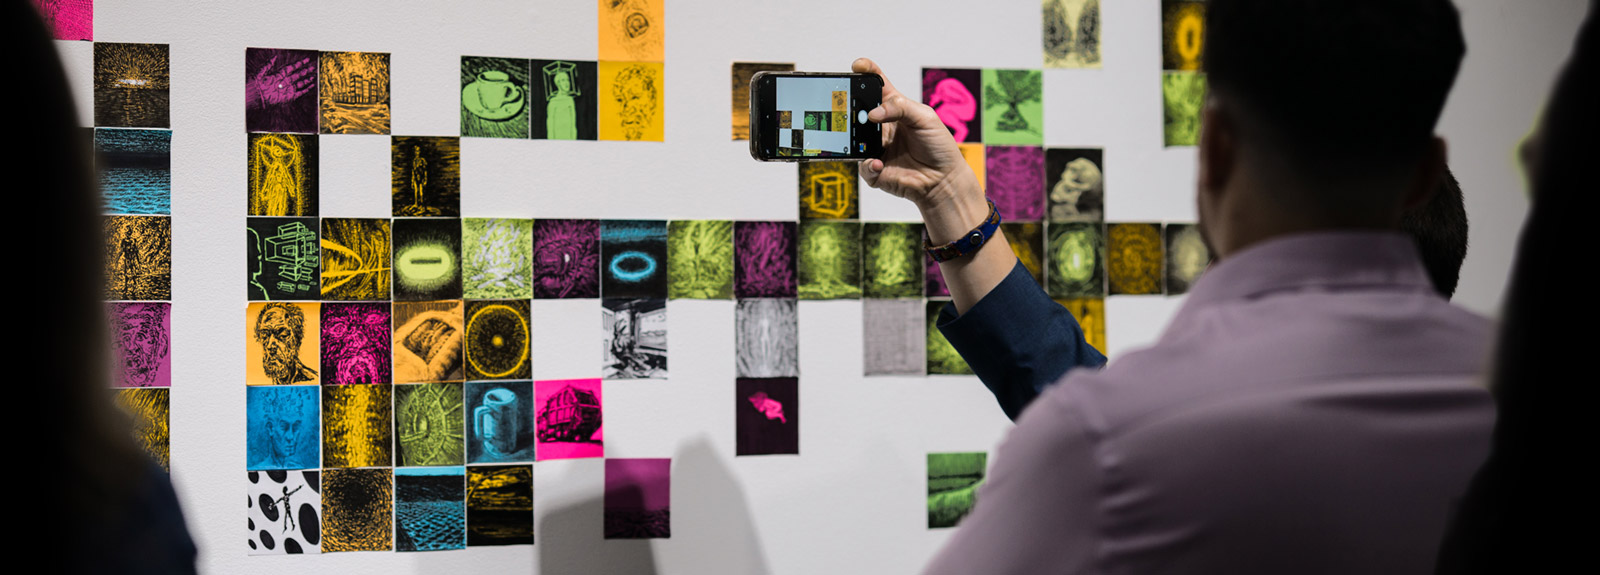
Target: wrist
{"x": 953, "y": 208}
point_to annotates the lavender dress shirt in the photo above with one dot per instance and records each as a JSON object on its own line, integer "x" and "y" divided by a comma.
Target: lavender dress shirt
{"x": 1314, "y": 407}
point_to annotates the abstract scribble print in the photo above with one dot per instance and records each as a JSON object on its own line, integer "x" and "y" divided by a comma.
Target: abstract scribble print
{"x": 497, "y": 258}
{"x": 566, "y": 259}
{"x": 68, "y": 19}
{"x": 764, "y": 259}
{"x": 357, "y": 510}
{"x": 1016, "y": 182}
{"x": 355, "y": 343}
{"x": 355, "y": 259}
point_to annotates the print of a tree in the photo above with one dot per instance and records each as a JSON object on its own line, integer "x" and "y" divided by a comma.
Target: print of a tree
{"x": 1017, "y": 87}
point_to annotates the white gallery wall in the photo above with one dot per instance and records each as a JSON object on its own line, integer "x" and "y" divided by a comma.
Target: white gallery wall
{"x": 854, "y": 500}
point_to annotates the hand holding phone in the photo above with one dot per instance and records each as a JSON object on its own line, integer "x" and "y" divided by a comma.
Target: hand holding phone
{"x": 921, "y": 161}
{"x": 803, "y": 116}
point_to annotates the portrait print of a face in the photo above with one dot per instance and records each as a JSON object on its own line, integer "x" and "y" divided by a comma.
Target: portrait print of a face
{"x": 631, "y": 104}
{"x": 283, "y": 344}
{"x": 141, "y": 339}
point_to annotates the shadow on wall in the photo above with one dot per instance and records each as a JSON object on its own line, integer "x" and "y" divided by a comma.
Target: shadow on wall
{"x": 712, "y": 529}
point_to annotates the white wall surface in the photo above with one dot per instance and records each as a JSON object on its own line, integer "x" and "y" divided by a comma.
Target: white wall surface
{"x": 854, "y": 500}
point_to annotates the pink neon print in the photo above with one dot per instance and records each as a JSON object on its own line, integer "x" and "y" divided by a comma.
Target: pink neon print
{"x": 767, "y": 406}
{"x": 68, "y": 19}
{"x": 955, "y": 105}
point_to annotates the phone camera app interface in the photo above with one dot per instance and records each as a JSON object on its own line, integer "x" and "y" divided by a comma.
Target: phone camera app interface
{"x": 813, "y": 117}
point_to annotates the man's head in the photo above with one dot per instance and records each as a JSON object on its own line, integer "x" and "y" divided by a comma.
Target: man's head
{"x": 283, "y": 411}
{"x": 279, "y": 329}
{"x": 1320, "y": 114}
{"x": 141, "y": 340}
{"x": 1440, "y": 229}
{"x": 635, "y": 89}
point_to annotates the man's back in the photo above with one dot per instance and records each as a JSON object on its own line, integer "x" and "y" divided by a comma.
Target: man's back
{"x": 1312, "y": 408}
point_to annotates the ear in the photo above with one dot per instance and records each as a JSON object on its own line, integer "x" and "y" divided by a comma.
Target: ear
{"x": 1430, "y": 169}
{"x": 1218, "y": 147}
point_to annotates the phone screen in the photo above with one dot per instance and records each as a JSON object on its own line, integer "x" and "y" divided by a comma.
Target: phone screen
{"x": 814, "y": 116}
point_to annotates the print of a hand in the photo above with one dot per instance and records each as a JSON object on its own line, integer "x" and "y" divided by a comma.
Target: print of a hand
{"x": 270, "y": 87}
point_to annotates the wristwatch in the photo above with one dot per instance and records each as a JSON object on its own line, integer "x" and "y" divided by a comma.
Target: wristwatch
{"x": 967, "y": 243}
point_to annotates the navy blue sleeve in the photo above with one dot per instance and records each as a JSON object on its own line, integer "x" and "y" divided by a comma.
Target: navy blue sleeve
{"x": 1018, "y": 341}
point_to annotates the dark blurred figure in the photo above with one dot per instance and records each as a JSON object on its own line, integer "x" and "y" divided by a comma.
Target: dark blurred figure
{"x": 1440, "y": 230}
{"x": 110, "y": 508}
{"x": 1511, "y": 519}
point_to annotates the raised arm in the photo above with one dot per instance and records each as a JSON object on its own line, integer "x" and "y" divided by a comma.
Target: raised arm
{"x": 922, "y": 163}
{"x": 1015, "y": 338}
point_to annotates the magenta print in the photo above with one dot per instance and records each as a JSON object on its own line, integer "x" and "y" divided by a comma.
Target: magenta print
{"x": 953, "y": 94}
{"x": 355, "y": 343}
{"x": 638, "y": 498}
{"x": 142, "y": 343}
{"x": 68, "y": 19}
{"x": 768, "y": 417}
{"x": 768, "y": 406}
{"x": 1016, "y": 182}
{"x": 933, "y": 279}
{"x": 567, "y": 420}
{"x": 566, "y": 259}
{"x": 764, "y": 259}
{"x": 280, "y": 90}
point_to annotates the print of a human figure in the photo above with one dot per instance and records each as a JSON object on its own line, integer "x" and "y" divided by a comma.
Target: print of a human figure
{"x": 561, "y": 113}
{"x": 624, "y": 347}
{"x": 419, "y": 177}
{"x": 128, "y": 260}
{"x": 256, "y": 290}
{"x": 278, "y": 166}
{"x": 288, "y": 518}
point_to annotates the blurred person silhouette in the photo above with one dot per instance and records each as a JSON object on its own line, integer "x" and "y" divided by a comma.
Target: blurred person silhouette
{"x": 1312, "y": 407}
{"x": 1510, "y": 520}
{"x": 112, "y": 509}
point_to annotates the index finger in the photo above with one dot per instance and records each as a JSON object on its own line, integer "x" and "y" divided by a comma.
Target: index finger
{"x": 867, "y": 66}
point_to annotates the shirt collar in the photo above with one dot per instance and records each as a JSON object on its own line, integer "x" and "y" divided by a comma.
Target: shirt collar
{"x": 1343, "y": 259}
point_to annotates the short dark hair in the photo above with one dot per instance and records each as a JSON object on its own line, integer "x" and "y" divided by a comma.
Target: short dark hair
{"x": 1345, "y": 89}
{"x": 1440, "y": 229}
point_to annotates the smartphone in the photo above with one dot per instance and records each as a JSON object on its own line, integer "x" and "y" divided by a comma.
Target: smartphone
{"x": 809, "y": 116}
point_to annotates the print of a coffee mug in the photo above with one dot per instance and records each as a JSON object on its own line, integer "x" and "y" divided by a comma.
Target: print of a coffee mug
{"x": 495, "y": 90}
{"x": 497, "y": 421}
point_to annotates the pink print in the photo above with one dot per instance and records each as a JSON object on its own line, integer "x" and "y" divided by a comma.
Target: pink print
{"x": 955, "y": 106}
{"x": 953, "y": 95}
{"x": 68, "y": 19}
{"x": 141, "y": 340}
{"x": 767, "y": 406}
{"x": 764, "y": 263}
{"x": 568, "y": 422}
{"x": 1016, "y": 182}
